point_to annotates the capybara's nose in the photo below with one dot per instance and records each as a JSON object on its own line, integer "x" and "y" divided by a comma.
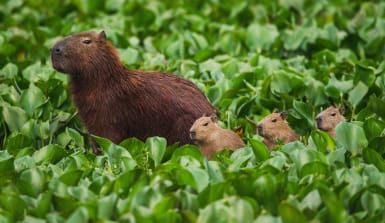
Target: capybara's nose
{"x": 57, "y": 49}
{"x": 259, "y": 129}
{"x": 192, "y": 134}
{"x": 318, "y": 120}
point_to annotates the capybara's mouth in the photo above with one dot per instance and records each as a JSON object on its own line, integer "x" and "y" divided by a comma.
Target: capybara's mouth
{"x": 56, "y": 63}
{"x": 194, "y": 141}
{"x": 319, "y": 125}
{"x": 260, "y": 131}
{"x": 57, "y": 67}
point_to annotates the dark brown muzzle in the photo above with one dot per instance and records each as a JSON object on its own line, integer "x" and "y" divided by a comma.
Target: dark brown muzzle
{"x": 260, "y": 130}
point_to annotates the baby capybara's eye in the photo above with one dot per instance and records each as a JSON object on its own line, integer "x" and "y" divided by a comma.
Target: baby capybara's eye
{"x": 87, "y": 41}
{"x": 274, "y": 120}
{"x": 206, "y": 124}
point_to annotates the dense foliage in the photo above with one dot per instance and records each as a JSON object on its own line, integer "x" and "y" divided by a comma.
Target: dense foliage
{"x": 250, "y": 58}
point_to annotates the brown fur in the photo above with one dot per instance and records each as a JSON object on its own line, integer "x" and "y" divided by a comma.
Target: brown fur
{"x": 210, "y": 137}
{"x": 118, "y": 103}
{"x": 328, "y": 119}
{"x": 274, "y": 127}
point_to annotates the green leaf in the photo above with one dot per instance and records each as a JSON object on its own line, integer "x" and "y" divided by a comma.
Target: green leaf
{"x": 24, "y": 162}
{"x": 16, "y": 142}
{"x": 265, "y": 189}
{"x": 214, "y": 192}
{"x": 14, "y": 205}
{"x": 230, "y": 68}
{"x": 314, "y": 167}
{"x": 119, "y": 158}
{"x": 71, "y": 178}
{"x": 334, "y": 206}
{"x": 32, "y": 182}
{"x": 286, "y": 82}
{"x": 79, "y": 215}
{"x": 364, "y": 74}
{"x": 31, "y": 99}
{"x": 51, "y": 153}
{"x": 305, "y": 111}
{"x": 261, "y": 152}
{"x": 351, "y": 137}
{"x": 129, "y": 56}
{"x": 107, "y": 206}
{"x": 187, "y": 150}
{"x": 373, "y": 127}
{"x": 322, "y": 141}
{"x": 373, "y": 203}
{"x": 76, "y": 136}
{"x": 230, "y": 209}
{"x": 43, "y": 206}
{"x": 290, "y": 214}
{"x": 261, "y": 36}
{"x": 6, "y": 162}
{"x": 192, "y": 176}
{"x": 157, "y": 148}
{"x": 15, "y": 117}
{"x": 371, "y": 156}
{"x": 357, "y": 94}
{"x": 9, "y": 71}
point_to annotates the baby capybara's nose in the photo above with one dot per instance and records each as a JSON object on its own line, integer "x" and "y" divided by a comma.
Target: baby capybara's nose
{"x": 319, "y": 121}
{"x": 259, "y": 129}
{"x": 192, "y": 134}
{"x": 57, "y": 49}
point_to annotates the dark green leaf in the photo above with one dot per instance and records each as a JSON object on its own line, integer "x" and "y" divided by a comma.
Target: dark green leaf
{"x": 351, "y": 137}
{"x": 291, "y": 214}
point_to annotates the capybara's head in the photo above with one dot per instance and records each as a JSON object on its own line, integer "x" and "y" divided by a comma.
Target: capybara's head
{"x": 272, "y": 124}
{"x": 82, "y": 53}
{"x": 202, "y": 128}
{"x": 328, "y": 119}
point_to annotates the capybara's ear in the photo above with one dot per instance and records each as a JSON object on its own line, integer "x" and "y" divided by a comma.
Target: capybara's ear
{"x": 341, "y": 109}
{"x": 214, "y": 118}
{"x": 102, "y": 37}
{"x": 283, "y": 115}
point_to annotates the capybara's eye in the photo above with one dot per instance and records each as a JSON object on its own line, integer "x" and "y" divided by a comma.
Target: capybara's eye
{"x": 333, "y": 114}
{"x": 87, "y": 41}
{"x": 274, "y": 120}
{"x": 205, "y": 124}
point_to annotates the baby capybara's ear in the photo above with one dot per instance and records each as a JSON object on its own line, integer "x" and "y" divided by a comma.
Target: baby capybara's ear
{"x": 341, "y": 109}
{"x": 214, "y": 118}
{"x": 283, "y": 115}
{"x": 102, "y": 37}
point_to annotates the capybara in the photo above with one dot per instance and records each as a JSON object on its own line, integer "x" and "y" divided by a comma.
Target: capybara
{"x": 328, "y": 119}
{"x": 274, "y": 127}
{"x": 117, "y": 103}
{"x": 210, "y": 137}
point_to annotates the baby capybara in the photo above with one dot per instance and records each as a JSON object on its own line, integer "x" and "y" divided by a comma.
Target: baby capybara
{"x": 118, "y": 103}
{"x": 328, "y": 119}
{"x": 210, "y": 137}
{"x": 274, "y": 127}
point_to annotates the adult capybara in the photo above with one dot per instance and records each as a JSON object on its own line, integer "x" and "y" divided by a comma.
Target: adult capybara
{"x": 117, "y": 103}
{"x": 274, "y": 127}
{"x": 210, "y": 137}
{"x": 328, "y": 119}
